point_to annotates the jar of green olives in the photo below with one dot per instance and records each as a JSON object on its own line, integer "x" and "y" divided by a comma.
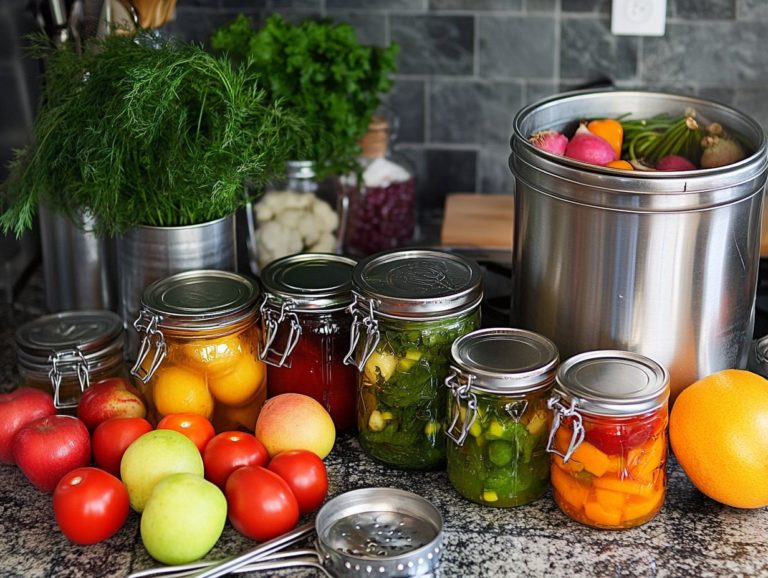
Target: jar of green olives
{"x": 408, "y": 308}
{"x": 497, "y": 415}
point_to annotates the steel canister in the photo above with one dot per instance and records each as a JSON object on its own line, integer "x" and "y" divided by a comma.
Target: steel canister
{"x": 200, "y": 337}
{"x": 608, "y": 439}
{"x": 305, "y": 328}
{"x": 408, "y": 307}
{"x": 498, "y": 421}
{"x": 662, "y": 263}
{"x": 65, "y": 352}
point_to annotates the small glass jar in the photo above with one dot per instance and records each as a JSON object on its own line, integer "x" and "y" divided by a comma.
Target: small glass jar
{"x": 200, "y": 336}
{"x": 380, "y": 209}
{"x": 609, "y": 438}
{"x": 498, "y": 421}
{"x": 294, "y": 217}
{"x": 305, "y": 327}
{"x": 64, "y": 353}
{"x": 408, "y": 308}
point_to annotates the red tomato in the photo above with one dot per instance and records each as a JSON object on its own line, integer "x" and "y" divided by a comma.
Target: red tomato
{"x": 305, "y": 474}
{"x": 260, "y": 504}
{"x": 90, "y": 505}
{"x": 618, "y": 435}
{"x": 196, "y": 427}
{"x": 112, "y": 437}
{"x": 230, "y": 450}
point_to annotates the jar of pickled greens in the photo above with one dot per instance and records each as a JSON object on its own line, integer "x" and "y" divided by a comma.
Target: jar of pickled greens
{"x": 498, "y": 420}
{"x": 66, "y": 352}
{"x": 199, "y": 335}
{"x": 408, "y": 308}
{"x": 305, "y": 328}
{"x": 608, "y": 439}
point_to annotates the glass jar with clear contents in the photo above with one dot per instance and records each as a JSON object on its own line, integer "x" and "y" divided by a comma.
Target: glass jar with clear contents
{"x": 498, "y": 421}
{"x": 64, "y": 353}
{"x": 408, "y": 307}
{"x": 305, "y": 327}
{"x": 608, "y": 439}
{"x": 200, "y": 336}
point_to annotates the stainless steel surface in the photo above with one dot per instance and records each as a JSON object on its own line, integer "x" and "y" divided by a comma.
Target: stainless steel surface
{"x": 146, "y": 254}
{"x": 504, "y": 360}
{"x": 79, "y": 268}
{"x": 613, "y": 383}
{"x": 663, "y": 264}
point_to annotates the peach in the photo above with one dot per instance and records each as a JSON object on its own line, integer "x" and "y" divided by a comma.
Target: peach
{"x": 292, "y": 421}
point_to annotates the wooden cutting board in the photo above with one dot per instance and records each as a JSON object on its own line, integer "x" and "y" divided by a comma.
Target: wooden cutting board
{"x": 478, "y": 221}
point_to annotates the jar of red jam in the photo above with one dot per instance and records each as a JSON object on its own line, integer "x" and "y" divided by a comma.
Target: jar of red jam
{"x": 306, "y": 331}
{"x": 200, "y": 334}
{"x": 608, "y": 440}
{"x": 66, "y": 352}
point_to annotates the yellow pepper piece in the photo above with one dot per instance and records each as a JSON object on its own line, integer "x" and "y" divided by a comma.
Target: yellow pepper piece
{"x": 490, "y": 496}
{"x": 610, "y": 130}
{"x": 431, "y": 428}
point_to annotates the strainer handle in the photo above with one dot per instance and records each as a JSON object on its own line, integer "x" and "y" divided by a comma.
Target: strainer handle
{"x": 261, "y": 551}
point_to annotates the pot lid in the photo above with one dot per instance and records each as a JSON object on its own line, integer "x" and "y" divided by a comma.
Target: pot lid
{"x": 504, "y": 360}
{"x": 311, "y": 281}
{"x": 613, "y": 383}
{"x": 201, "y": 299}
{"x": 418, "y": 282}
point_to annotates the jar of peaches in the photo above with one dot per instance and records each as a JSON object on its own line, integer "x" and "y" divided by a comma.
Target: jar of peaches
{"x": 608, "y": 439}
{"x": 199, "y": 334}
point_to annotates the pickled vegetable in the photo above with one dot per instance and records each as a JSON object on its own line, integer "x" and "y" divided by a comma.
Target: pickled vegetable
{"x": 503, "y": 461}
{"x": 621, "y": 487}
{"x": 401, "y": 400}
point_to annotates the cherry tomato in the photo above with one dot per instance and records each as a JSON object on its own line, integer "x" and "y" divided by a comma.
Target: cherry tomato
{"x": 196, "y": 427}
{"x": 618, "y": 435}
{"x": 305, "y": 474}
{"x": 90, "y": 505}
{"x": 112, "y": 437}
{"x": 260, "y": 504}
{"x": 230, "y": 450}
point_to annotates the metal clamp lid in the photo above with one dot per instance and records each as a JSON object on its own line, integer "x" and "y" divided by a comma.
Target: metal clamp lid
{"x": 561, "y": 412}
{"x": 61, "y": 361}
{"x": 272, "y": 319}
{"x": 147, "y": 326}
{"x": 360, "y": 305}
{"x": 460, "y": 385}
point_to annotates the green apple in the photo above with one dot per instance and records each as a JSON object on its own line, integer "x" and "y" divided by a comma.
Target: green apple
{"x": 183, "y": 518}
{"x": 152, "y": 457}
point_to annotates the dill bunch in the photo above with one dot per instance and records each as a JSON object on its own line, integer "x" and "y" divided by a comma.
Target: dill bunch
{"x": 142, "y": 131}
{"x": 322, "y": 73}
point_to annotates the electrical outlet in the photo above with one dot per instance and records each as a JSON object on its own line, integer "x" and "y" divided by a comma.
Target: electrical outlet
{"x": 639, "y": 17}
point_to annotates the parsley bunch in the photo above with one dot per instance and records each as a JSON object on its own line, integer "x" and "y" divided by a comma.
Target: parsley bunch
{"x": 322, "y": 73}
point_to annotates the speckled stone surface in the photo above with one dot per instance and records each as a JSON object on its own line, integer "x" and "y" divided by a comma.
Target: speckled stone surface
{"x": 691, "y": 536}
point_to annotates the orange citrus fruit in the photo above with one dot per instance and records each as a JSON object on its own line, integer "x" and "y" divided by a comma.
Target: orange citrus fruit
{"x": 239, "y": 384}
{"x": 718, "y": 429}
{"x": 214, "y": 355}
{"x": 181, "y": 390}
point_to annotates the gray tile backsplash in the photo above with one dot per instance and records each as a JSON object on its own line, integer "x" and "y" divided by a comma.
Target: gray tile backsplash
{"x": 467, "y": 66}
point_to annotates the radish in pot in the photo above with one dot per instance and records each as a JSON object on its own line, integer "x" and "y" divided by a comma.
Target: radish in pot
{"x": 589, "y": 148}
{"x": 675, "y": 163}
{"x": 719, "y": 148}
{"x": 550, "y": 141}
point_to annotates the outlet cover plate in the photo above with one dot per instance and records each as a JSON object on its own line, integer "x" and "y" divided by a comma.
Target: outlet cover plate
{"x": 638, "y": 17}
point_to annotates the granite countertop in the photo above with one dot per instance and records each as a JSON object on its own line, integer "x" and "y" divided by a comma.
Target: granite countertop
{"x": 691, "y": 536}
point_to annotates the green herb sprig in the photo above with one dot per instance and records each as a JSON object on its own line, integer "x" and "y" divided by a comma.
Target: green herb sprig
{"x": 322, "y": 72}
{"x": 139, "y": 131}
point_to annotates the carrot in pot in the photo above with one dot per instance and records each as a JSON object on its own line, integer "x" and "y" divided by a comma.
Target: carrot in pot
{"x": 611, "y": 130}
{"x": 620, "y": 164}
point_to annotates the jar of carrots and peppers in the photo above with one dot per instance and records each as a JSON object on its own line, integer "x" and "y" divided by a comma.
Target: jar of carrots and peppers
{"x": 608, "y": 440}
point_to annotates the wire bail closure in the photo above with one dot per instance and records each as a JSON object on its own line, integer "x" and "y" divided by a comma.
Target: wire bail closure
{"x": 460, "y": 384}
{"x": 272, "y": 320}
{"x": 561, "y": 411}
{"x": 146, "y": 324}
{"x": 61, "y": 361}
{"x": 370, "y": 327}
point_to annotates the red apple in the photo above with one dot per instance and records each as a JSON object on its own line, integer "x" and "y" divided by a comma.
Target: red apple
{"x": 49, "y": 447}
{"x": 18, "y": 408}
{"x": 108, "y": 398}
